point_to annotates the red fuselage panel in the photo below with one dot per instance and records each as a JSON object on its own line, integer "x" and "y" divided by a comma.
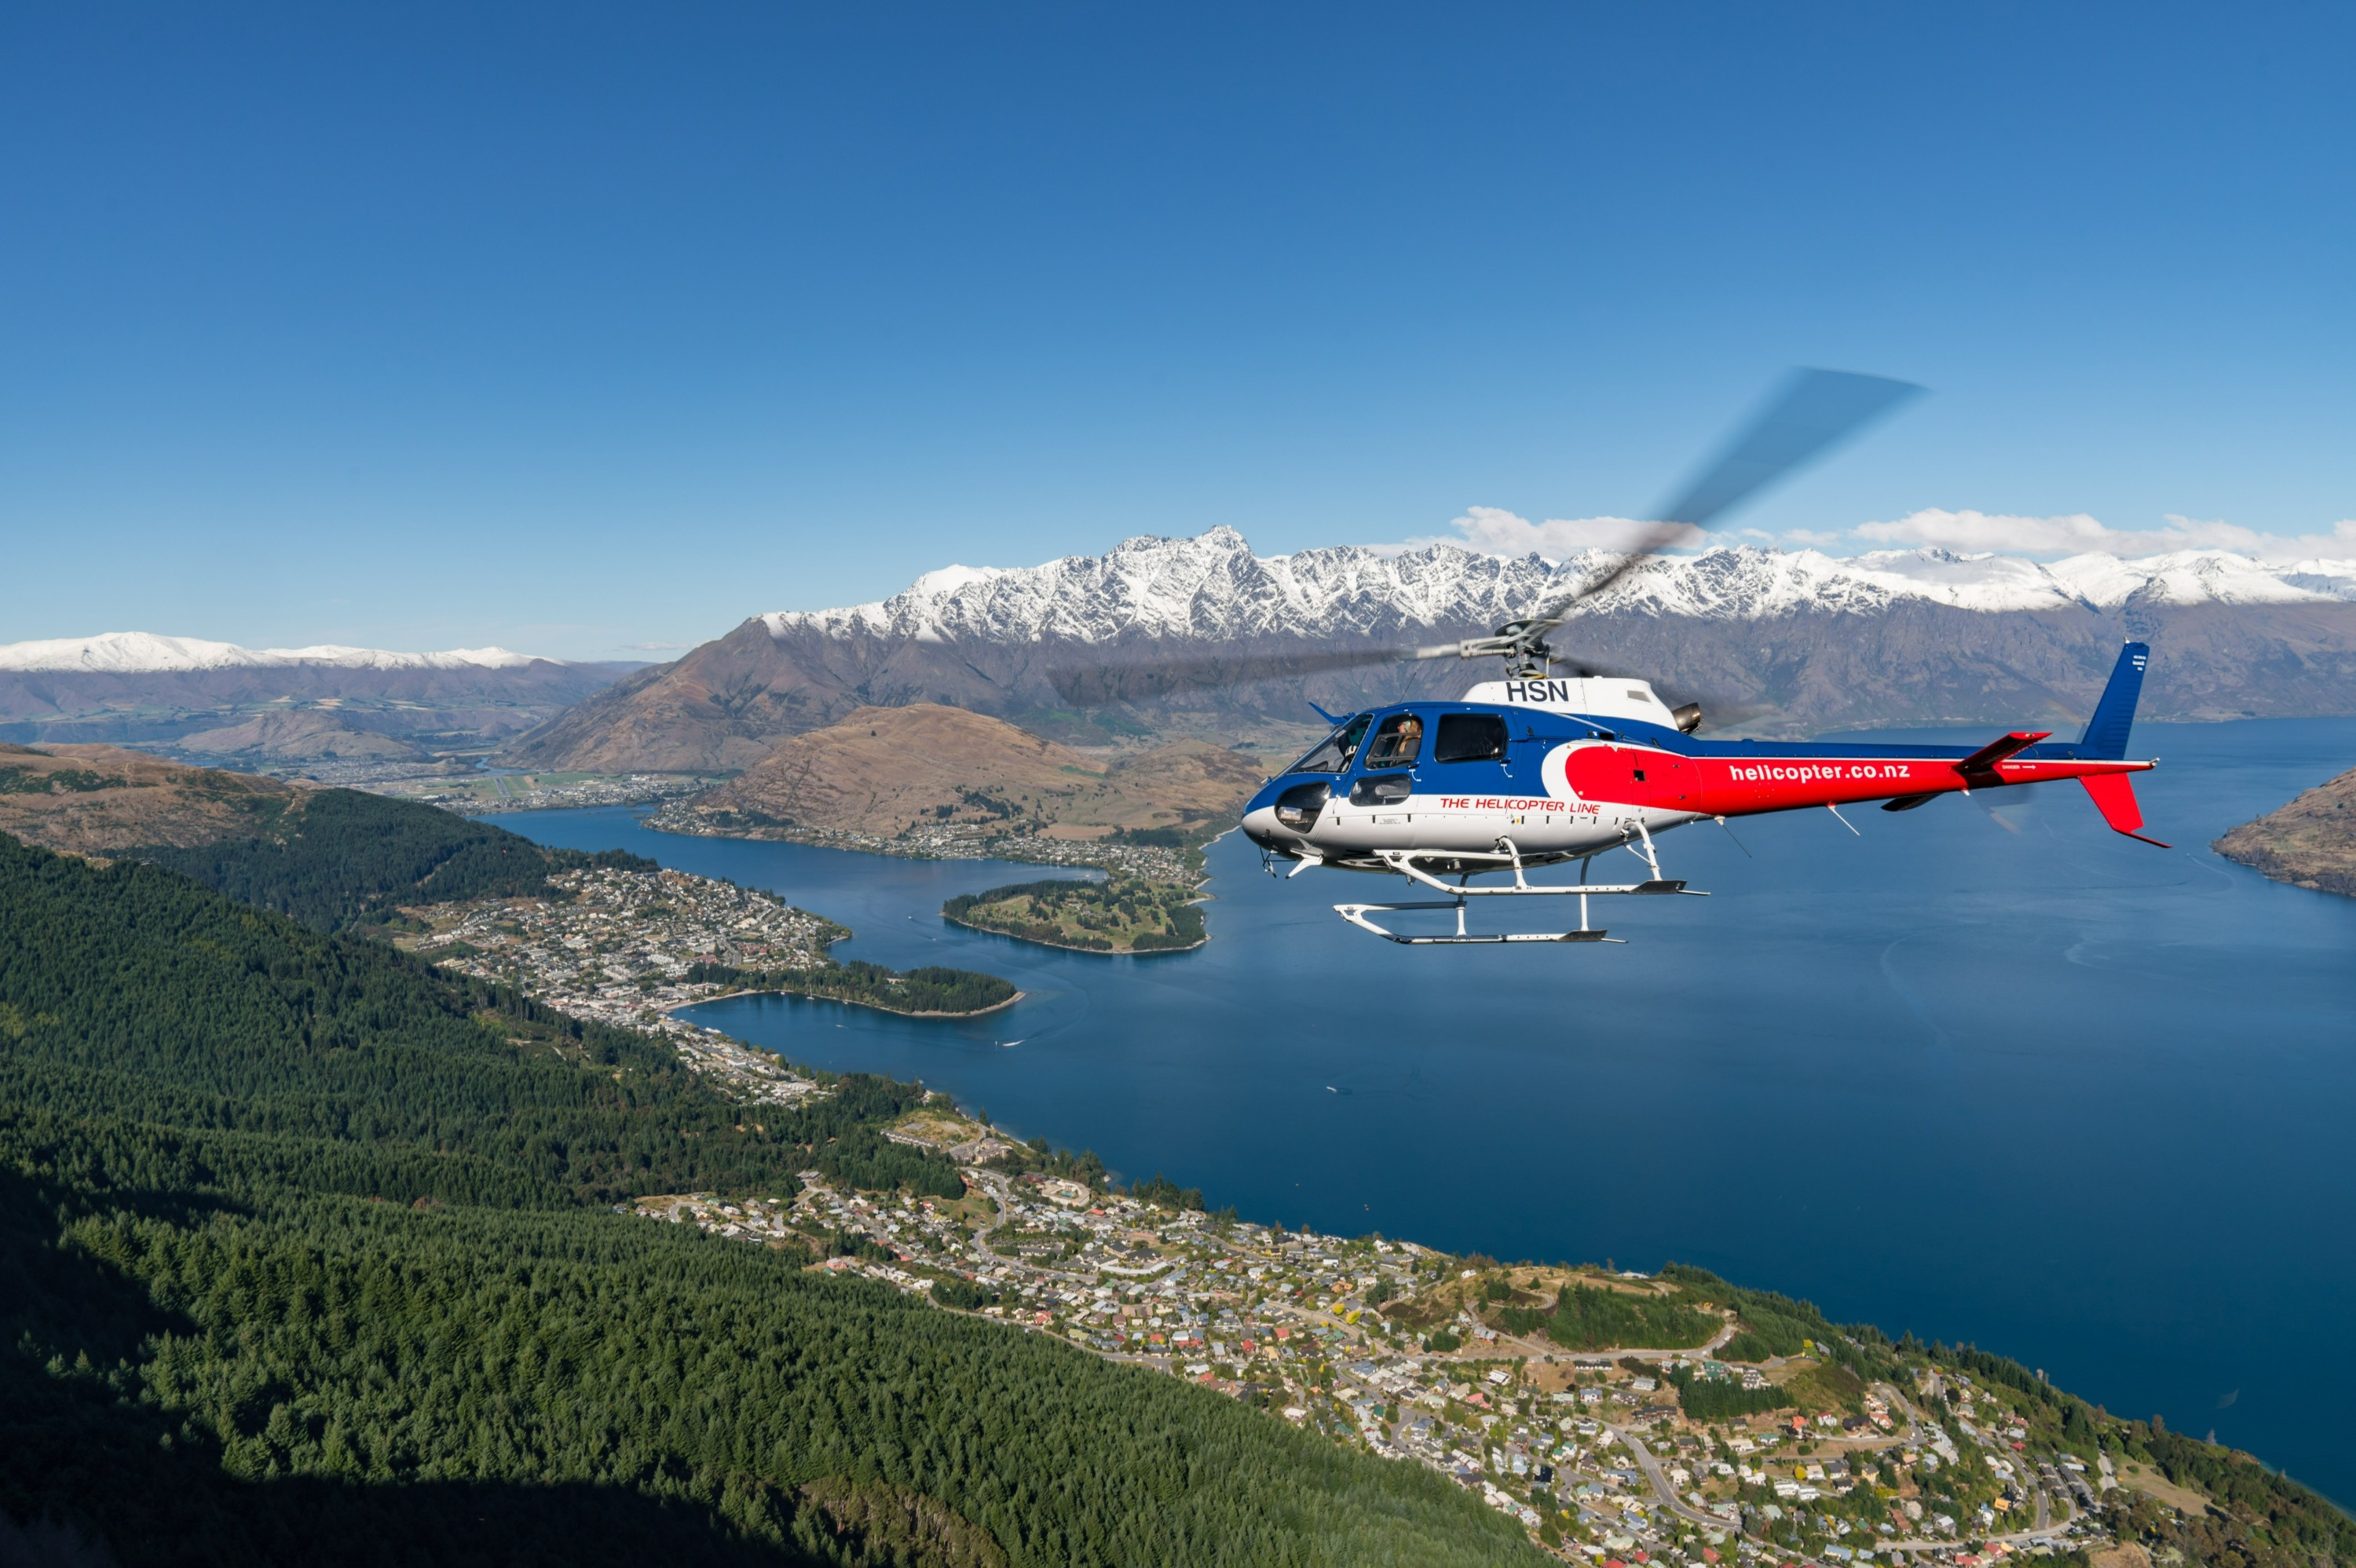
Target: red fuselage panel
{"x": 1739, "y": 787}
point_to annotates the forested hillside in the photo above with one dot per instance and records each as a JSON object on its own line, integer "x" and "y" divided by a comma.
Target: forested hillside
{"x": 330, "y": 857}
{"x": 341, "y": 857}
{"x": 307, "y": 1259}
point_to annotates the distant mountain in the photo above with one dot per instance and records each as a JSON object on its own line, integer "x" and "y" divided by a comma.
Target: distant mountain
{"x": 139, "y": 687}
{"x": 143, "y": 653}
{"x": 305, "y": 735}
{"x": 886, "y": 770}
{"x": 1777, "y": 641}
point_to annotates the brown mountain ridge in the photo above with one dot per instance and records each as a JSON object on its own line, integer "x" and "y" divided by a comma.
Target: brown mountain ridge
{"x": 724, "y": 705}
{"x": 887, "y": 770}
{"x": 298, "y": 735}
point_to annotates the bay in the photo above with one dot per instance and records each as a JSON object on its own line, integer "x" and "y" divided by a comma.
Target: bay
{"x": 1988, "y": 1071}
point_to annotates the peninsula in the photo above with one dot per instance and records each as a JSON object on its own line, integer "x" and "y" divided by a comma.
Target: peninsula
{"x": 2311, "y": 842}
{"x": 629, "y": 947}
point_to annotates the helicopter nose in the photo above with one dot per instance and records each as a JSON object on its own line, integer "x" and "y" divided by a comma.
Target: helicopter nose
{"x": 1261, "y": 828}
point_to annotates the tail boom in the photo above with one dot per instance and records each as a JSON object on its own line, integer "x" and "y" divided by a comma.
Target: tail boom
{"x": 1745, "y": 787}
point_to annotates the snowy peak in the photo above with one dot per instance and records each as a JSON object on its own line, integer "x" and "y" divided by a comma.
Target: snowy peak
{"x": 140, "y": 653}
{"x": 1212, "y": 586}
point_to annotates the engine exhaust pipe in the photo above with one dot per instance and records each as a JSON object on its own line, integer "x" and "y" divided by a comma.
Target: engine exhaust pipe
{"x": 1688, "y": 716}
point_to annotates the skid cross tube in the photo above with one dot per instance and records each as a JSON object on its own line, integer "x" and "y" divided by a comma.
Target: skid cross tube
{"x": 1403, "y": 863}
{"x": 1508, "y": 857}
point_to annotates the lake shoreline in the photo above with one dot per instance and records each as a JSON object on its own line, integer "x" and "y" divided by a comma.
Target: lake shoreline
{"x": 857, "y": 1002}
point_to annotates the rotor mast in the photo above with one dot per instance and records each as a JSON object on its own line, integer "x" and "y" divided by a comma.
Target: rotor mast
{"x": 1521, "y": 644}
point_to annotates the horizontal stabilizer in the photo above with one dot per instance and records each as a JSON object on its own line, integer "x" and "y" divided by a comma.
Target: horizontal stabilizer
{"x": 2114, "y": 797}
{"x": 1980, "y": 766}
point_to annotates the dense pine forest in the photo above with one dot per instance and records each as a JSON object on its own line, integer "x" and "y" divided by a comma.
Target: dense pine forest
{"x": 308, "y": 1256}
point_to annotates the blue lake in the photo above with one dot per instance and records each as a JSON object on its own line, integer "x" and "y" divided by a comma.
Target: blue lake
{"x": 1988, "y": 1072}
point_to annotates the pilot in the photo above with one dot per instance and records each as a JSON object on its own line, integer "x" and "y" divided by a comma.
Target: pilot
{"x": 1397, "y": 744}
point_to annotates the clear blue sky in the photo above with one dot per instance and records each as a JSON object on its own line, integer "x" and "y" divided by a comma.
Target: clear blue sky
{"x": 577, "y": 327}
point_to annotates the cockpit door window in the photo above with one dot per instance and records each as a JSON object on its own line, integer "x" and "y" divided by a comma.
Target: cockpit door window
{"x": 1397, "y": 742}
{"x": 1332, "y": 754}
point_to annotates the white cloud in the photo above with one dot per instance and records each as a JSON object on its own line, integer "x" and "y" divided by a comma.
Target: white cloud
{"x": 2078, "y": 534}
{"x": 1492, "y": 530}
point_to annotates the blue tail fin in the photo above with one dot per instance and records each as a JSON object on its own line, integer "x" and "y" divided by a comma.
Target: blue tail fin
{"x": 2106, "y": 732}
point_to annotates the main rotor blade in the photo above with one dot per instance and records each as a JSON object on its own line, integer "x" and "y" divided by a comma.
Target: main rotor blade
{"x": 1813, "y": 410}
{"x": 1093, "y": 685}
{"x": 1810, "y": 412}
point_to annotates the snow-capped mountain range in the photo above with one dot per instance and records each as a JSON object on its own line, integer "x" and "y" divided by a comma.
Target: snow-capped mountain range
{"x": 1777, "y": 641}
{"x": 140, "y": 687}
{"x": 140, "y": 653}
{"x": 1214, "y": 587}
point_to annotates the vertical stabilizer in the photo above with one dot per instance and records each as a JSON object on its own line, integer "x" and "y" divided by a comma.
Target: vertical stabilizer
{"x": 2106, "y": 732}
{"x": 2114, "y": 797}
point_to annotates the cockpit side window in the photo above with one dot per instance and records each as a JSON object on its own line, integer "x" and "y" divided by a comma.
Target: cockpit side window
{"x": 1396, "y": 743}
{"x": 1332, "y": 754}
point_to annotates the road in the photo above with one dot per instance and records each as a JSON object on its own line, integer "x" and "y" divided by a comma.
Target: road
{"x": 1663, "y": 1490}
{"x": 1003, "y": 1197}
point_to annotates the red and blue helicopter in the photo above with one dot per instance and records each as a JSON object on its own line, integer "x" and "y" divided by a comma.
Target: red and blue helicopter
{"x": 1541, "y": 769}
{"x": 1536, "y": 770}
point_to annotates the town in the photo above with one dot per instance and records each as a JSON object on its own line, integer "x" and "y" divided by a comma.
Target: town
{"x": 615, "y": 948}
{"x": 1690, "y": 1454}
{"x": 477, "y": 794}
{"x": 1591, "y": 1452}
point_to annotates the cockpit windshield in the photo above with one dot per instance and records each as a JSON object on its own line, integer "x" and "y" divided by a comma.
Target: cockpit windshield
{"x": 1332, "y": 754}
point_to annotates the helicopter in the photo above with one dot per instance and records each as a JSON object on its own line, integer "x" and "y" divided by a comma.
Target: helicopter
{"x": 1543, "y": 768}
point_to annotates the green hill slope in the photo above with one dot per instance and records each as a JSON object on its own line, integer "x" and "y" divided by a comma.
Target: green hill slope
{"x": 307, "y": 1260}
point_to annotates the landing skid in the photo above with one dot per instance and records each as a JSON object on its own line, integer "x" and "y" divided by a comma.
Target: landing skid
{"x": 1506, "y": 857}
{"x": 1356, "y": 915}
